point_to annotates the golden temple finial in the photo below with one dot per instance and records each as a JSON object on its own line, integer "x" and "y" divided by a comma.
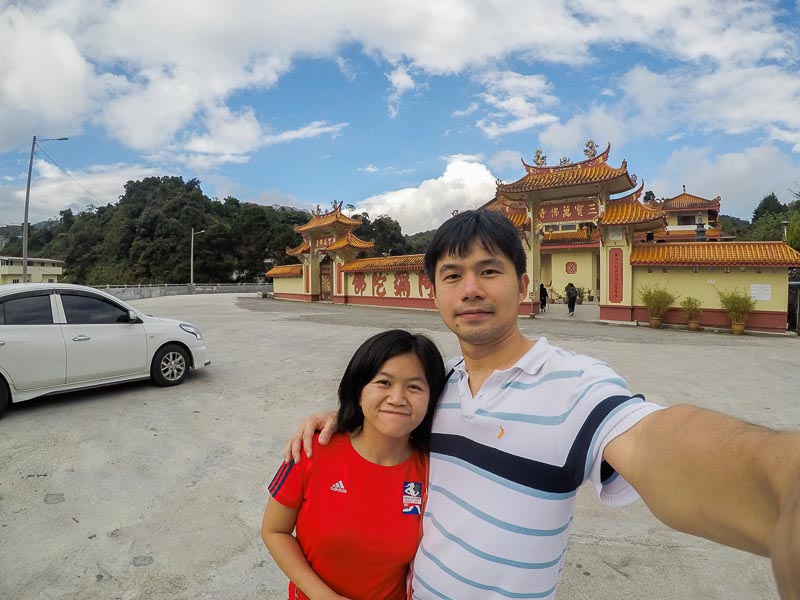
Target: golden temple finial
{"x": 591, "y": 148}
{"x": 337, "y": 206}
{"x": 539, "y": 159}
{"x": 317, "y": 212}
{"x": 684, "y": 188}
{"x": 564, "y": 161}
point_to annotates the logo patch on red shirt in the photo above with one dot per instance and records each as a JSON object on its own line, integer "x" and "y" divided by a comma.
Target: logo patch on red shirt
{"x": 412, "y": 498}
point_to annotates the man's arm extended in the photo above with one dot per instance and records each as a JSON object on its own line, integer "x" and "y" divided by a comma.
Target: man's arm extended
{"x": 714, "y": 476}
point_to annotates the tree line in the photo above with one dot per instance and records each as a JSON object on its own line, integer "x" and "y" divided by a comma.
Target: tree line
{"x": 146, "y": 237}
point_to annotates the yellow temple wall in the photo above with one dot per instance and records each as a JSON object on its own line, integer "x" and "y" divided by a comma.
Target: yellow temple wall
{"x": 289, "y": 288}
{"x": 768, "y": 315}
{"x": 585, "y": 276}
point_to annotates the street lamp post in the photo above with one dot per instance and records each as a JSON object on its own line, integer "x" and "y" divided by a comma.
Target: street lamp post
{"x": 191, "y": 260}
{"x": 27, "y": 204}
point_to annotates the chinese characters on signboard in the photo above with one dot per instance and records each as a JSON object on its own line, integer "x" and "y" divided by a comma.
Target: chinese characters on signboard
{"x": 583, "y": 210}
{"x": 615, "y": 275}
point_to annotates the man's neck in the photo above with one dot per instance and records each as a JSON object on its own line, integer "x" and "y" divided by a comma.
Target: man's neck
{"x": 482, "y": 360}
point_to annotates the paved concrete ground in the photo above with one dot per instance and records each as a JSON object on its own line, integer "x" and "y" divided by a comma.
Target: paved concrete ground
{"x": 138, "y": 492}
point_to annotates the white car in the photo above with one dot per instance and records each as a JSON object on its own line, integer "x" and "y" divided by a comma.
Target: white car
{"x": 60, "y": 337}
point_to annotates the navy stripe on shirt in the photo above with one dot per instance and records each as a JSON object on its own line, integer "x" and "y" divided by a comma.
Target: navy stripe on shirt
{"x": 533, "y": 473}
{"x": 280, "y": 478}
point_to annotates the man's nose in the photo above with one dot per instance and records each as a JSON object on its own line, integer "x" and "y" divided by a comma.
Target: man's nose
{"x": 471, "y": 287}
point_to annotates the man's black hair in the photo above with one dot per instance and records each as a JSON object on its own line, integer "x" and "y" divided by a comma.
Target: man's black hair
{"x": 493, "y": 230}
{"x": 368, "y": 360}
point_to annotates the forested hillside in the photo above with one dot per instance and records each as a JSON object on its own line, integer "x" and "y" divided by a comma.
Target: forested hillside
{"x": 145, "y": 237}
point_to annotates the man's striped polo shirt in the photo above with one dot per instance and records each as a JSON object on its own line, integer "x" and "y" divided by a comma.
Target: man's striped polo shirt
{"x": 505, "y": 467}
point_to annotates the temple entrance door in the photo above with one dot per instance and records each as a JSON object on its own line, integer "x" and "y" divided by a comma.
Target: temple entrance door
{"x": 325, "y": 279}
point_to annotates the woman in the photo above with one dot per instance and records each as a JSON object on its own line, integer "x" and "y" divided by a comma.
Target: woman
{"x": 542, "y": 298}
{"x": 572, "y": 297}
{"x": 356, "y": 505}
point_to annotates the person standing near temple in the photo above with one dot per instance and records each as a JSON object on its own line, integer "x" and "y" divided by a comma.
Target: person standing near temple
{"x": 572, "y": 297}
{"x": 542, "y": 298}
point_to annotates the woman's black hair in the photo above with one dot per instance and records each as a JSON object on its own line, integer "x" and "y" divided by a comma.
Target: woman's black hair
{"x": 368, "y": 360}
{"x": 493, "y": 230}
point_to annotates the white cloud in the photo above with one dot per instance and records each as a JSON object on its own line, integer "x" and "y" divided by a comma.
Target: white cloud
{"x": 515, "y": 102}
{"x": 53, "y": 191}
{"x": 401, "y": 83}
{"x": 506, "y": 161}
{"x": 473, "y": 106}
{"x": 370, "y": 168}
{"x": 737, "y": 177}
{"x": 463, "y": 185}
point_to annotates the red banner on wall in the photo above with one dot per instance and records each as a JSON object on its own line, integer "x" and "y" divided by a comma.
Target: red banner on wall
{"x": 615, "y": 275}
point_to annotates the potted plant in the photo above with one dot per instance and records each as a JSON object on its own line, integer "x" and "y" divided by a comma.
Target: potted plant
{"x": 581, "y": 293}
{"x": 656, "y": 299}
{"x": 692, "y": 311}
{"x": 738, "y": 305}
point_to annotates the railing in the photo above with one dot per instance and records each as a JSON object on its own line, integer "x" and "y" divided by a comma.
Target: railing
{"x": 156, "y": 290}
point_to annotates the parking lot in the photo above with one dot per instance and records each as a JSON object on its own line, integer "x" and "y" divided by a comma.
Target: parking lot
{"x": 135, "y": 491}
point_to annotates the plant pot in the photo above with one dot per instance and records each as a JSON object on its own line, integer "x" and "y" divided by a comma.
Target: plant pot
{"x": 737, "y": 328}
{"x": 655, "y": 322}
{"x": 693, "y": 325}
{"x": 591, "y": 298}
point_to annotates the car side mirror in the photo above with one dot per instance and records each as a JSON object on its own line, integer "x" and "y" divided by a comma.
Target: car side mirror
{"x": 133, "y": 317}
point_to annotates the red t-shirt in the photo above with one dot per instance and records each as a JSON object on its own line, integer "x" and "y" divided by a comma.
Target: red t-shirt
{"x": 358, "y": 523}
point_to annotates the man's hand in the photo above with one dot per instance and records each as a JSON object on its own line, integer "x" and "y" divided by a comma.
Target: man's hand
{"x": 325, "y": 423}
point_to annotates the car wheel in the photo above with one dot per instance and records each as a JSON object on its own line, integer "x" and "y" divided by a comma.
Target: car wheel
{"x": 4, "y": 397}
{"x": 170, "y": 365}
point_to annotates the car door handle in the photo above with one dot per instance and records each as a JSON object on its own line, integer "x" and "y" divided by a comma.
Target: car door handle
{"x": 2, "y": 343}
{"x": 81, "y": 338}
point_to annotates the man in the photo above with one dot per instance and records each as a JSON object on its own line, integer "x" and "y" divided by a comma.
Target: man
{"x": 522, "y": 424}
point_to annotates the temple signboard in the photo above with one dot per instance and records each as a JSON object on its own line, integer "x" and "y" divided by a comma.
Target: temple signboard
{"x": 564, "y": 212}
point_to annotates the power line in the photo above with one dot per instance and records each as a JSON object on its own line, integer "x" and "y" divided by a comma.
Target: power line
{"x": 91, "y": 193}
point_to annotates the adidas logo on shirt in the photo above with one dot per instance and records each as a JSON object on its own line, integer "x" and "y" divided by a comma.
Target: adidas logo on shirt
{"x": 339, "y": 487}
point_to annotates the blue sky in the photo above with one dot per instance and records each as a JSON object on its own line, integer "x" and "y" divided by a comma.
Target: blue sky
{"x": 408, "y": 108}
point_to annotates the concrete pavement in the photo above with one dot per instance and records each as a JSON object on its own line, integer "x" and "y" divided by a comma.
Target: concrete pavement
{"x": 137, "y": 492}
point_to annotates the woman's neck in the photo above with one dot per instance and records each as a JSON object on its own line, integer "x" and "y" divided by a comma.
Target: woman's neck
{"x": 381, "y": 450}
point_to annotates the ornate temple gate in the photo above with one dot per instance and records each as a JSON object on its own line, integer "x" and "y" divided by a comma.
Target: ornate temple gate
{"x": 325, "y": 279}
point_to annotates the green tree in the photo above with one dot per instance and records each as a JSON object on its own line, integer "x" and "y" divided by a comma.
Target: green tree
{"x": 769, "y": 205}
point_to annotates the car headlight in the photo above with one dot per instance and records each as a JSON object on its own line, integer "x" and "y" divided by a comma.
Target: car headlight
{"x": 189, "y": 328}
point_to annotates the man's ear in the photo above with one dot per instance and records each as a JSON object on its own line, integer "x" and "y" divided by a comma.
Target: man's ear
{"x": 524, "y": 282}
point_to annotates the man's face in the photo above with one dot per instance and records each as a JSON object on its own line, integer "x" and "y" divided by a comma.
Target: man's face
{"x": 478, "y": 295}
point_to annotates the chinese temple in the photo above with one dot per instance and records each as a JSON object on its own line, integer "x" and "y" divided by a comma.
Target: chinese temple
{"x": 583, "y": 223}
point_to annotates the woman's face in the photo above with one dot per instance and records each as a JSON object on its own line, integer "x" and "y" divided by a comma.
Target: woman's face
{"x": 395, "y": 400}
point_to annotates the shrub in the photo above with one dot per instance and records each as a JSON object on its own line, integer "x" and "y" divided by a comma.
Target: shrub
{"x": 737, "y": 304}
{"x": 657, "y": 299}
{"x": 691, "y": 308}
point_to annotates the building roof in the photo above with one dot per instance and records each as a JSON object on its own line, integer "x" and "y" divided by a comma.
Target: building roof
{"x": 286, "y": 271}
{"x": 33, "y": 259}
{"x": 684, "y": 202}
{"x": 515, "y": 210}
{"x": 409, "y": 262}
{"x": 588, "y": 174}
{"x": 352, "y": 241}
{"x": 740, "y": 254}
{"x": 629, "y": 211}
{"x": 320, "y": 220}
{"x": 681, "y": 235}
{"x": 301, "y": 249}
{"x": 580, "y": 237}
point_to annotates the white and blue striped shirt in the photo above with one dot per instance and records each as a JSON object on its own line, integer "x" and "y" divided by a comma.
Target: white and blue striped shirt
{"x": 505, "y": 468}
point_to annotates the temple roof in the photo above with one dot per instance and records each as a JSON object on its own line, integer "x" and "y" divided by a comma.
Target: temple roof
{"x": 323, "y": 220}
{"x": 684, "y": 202}
{"x": 301, "y": 249}
{"x": 515, "y": 210}
{"x": 409, "y": 262}
{"x": 682, "y": 235}
{"x": 570, "y": 238}
{"x": 740, "y": 254}
{"x": 629, "y": 211}
{"x": 352, "y": 241}
{"x": 286, "y": 271}
{"x": 587, "y": 174}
